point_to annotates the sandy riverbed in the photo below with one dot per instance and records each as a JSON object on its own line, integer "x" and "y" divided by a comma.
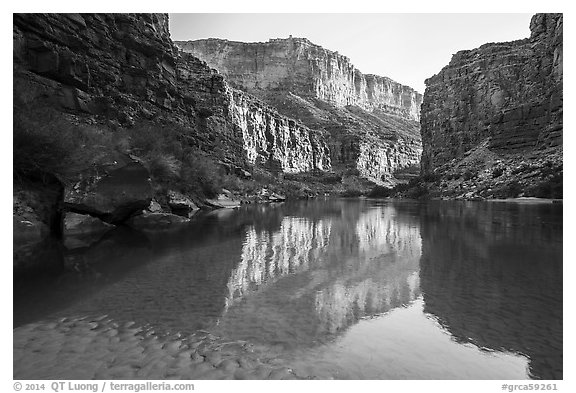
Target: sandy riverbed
{"x": 99, "y": 348}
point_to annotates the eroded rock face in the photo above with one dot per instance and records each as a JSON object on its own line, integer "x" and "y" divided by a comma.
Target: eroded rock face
{"x": 378, "y": 161}
{"x": 508, "y": 95}
{"x": 324, "y": 91}
{"x": 298, "y": 65}
{"x": 275, "y": 141}
{"x": 118, "y": 65}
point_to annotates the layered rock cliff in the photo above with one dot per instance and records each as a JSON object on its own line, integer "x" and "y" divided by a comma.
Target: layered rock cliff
{"x": 498, "y": 107}
{"x": 371, "y": 121}
{"x": 268, "y": 138}
{"x": 306, "y": 69}
{"x": 275, "y": 141}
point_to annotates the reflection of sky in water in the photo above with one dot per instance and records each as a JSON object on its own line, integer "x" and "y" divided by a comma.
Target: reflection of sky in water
{"x": 406, "y": 343}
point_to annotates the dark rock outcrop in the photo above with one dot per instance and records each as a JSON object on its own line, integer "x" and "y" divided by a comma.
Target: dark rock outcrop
{"x": 36, "y": 206}
{"x": 112, "y": 192}
{"x": 81, "y": 230}
{"x": 502, "y": 101}
{"x": 80, "y": 224}
{"x": 179, "y": 204}
{"x": 117, "y": 65}
{"x": 36, "y": 222}
{"x": 369, "y": 122}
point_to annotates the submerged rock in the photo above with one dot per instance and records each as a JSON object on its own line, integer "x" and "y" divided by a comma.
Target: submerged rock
{"x": 181, "y": 205}
{"x": 81, "y": 230}
{"x": 156, "y": 221}
{"x": 81, "y": 224}
{"x": 223, "y": 201}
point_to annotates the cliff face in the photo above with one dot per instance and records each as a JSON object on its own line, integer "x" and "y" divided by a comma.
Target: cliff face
{"x": 306, "y": 69}
{"x": 275, "y": 141}
{"x": 503, "y": 98}
{"x": 97, "y": 63}
{"x": 269, "y": 139}
{"x": 371, "y": 122}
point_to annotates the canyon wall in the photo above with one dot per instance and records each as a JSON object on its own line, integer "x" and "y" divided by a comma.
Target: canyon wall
{"x": 509, "y": 93}
{"x": 274, "y": 141}
{"x": 371, "y": 122}
{"x": 505, "y": 97}
{"x": 116, "y": 65}
{"x": 125, "y": 67}
{"x": 298, "y": 65}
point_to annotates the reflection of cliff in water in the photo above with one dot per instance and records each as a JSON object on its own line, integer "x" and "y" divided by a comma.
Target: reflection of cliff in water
{"x": 492, "y": 275}
{"x": 311, "y": 278}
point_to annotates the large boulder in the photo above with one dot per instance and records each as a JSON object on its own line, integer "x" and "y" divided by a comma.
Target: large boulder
{"x": 112, "y": 190}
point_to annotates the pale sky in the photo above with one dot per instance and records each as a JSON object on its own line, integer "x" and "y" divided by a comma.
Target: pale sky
{"x": 405, "y": 47}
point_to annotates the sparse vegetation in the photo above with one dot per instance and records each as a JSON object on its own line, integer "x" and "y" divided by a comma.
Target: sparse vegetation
{"x": 550, "y": 188}
{"x": 45, "y": 143}
{"x": 380, "y": 192}
{"x": 512, "y": 189}
{"x": 470, "y": 174}
{"x": 48, "y": 142}
{"x": 351, "y": 193}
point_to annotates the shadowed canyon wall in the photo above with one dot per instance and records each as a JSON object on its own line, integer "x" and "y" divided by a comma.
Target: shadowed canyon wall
{"x": 371, "y": 121}
{"x": 501, "y": 101}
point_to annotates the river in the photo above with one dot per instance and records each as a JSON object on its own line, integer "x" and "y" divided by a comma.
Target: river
{"x": 334, "y": 288}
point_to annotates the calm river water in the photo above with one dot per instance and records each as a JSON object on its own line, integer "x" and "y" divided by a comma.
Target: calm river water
{"x": 337, "y": 288}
